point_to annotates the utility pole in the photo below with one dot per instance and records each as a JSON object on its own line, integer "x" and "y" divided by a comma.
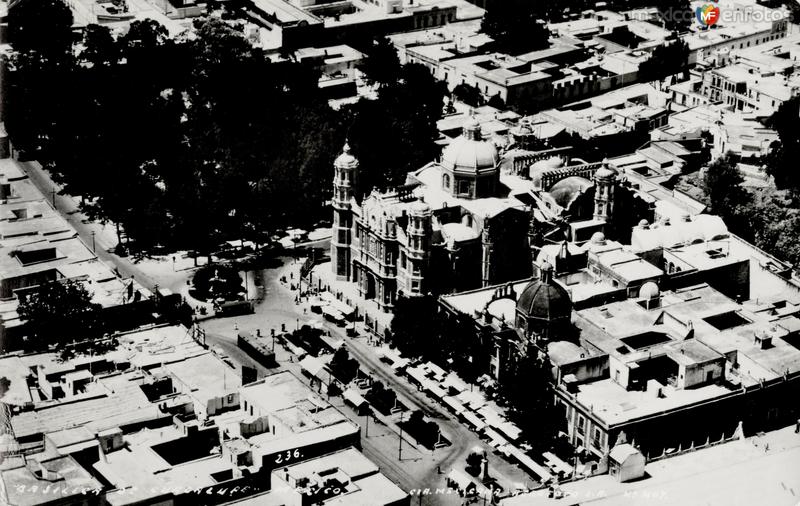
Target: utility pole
{"x": 93, "y": 234}
{"x": 400, "y": 447}
{"x": 366, "y": 430}
{"x": 53, "y": 193}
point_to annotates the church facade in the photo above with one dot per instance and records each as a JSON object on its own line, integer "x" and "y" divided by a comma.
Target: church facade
{"x": 461, "y": 222}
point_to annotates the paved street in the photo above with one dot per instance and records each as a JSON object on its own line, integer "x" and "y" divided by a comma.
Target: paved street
{"x": 278, "y": 307}
{"x": 105, "y": 237}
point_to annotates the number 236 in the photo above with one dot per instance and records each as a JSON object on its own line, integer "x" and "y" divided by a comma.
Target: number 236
{"x": 287, "y": 455}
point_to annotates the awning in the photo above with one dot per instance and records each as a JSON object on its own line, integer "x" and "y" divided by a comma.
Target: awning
{"x": 495, "y": 438}
{"x": 510, "y": 430}
{"x": 454, "y": 404}
{"x": 473, "y": 420}
{"x": 461, "y": 480}
{"x": 436, "y": 390}
{"x": 336, "y": 303}
{"x": 491, "y": 416}
{"x": 527, "y": 462}
{"x": 353, "y": 397}
{"x": 454, "y": 382}
{"x": 333, "y": 313}
{"x": 417, "y": 375}
{"x": 399, "y": 363}
{"x": 311, "y": 365}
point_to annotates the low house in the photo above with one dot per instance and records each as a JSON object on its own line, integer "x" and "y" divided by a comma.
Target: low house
{"x": 626, "y": 463}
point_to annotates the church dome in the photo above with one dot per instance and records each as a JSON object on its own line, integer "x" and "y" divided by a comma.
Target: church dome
{"x": 605, "y": 172}
{"x": 469, "y": 153}
{"x": 649, "y": 291}
{"x": 346, "y": 160}
{"x": 544, "y": 299}
{"x": 568, "y": 189}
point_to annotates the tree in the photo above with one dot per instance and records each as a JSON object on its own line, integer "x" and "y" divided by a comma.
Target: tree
{"x": 517, "y": 26}
{"x": 381, "y": 65}
{"x": 675, "y": 15}
{"x": 59, "y": 312}
{"x": 665, "y": 60}
{"x": 99, "y": 46}
{"x": 728, "y": 198}
{"x": 497, "y": 102}
{"x": 43, "y": 27}
{"x": 397, "y": 133}
{"x": 40, "y": 32}
{"x": 781, "y": 163}
{"x": 469, "y": 94}
{"x": 414, "y": 326}
{"x": 526, "y": 383}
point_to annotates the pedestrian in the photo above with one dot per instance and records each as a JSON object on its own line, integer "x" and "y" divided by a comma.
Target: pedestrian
{"x": 797, "y": 427}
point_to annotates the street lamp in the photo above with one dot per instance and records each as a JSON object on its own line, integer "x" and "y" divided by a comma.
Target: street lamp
{"x": 93, "y": 234}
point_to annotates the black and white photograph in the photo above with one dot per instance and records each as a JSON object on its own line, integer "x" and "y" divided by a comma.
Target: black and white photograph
{"x": 399, "y": 252}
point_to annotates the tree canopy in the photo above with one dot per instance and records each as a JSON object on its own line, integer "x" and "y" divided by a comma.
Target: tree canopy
{"x": 668, "y": 59}
{"x": 188, "y": 142}
{"x": 59, "y": 312}
{"x": 451, "y": 341}
{"x": 781, "y": 164}
{"x": 381, "y": 65}
{"x": 526, "y": 383}
{"x": 517, "y": 26}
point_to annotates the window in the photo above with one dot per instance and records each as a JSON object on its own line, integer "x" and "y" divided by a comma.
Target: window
{"x": 463, "y": 187}
{"x": 581, "y": 427}
{"x": 597, "y": 438}
{"x": 446, "y": 181}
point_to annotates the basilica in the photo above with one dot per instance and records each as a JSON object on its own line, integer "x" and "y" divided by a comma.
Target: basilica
{"x": 474, "y": 218}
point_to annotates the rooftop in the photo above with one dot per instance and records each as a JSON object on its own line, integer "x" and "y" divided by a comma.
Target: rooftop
{"x": 64, "y": 479}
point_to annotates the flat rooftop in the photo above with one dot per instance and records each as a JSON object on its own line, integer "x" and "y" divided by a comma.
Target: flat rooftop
{"x": 739, "y": 472}
{"x": 365, "y": 484}
{"x": 613, "y": 404}
{"x": 24, "y": 488}
{"x": 125, "y": 406}
{"x": 206, "y": 375}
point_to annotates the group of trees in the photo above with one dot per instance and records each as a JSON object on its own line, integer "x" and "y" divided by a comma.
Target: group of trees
{"x": 518, "y": 26}
{"x": 343, "y": 368}
{"x": 452, "y": 342}
{"x": 188, "y": 141}
{"x": 426, "y": 432}
{"x": 59, "y": 313}
{"x": 381, "y": 398}
{"x": 770, "y": 218}
{"x": 526, "y": 383}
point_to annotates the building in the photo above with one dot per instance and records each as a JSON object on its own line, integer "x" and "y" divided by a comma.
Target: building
{"x": 39, "y": 246}
{"x": 303, "y": 22}
{"x": 464, "y": 222}
{"x": 744, "y": 25}
{"x": 626, "y": 463}
{"x": 342, "y": 477}
{"x": 55, "y": 480}
{"x": 161, "y": 419}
